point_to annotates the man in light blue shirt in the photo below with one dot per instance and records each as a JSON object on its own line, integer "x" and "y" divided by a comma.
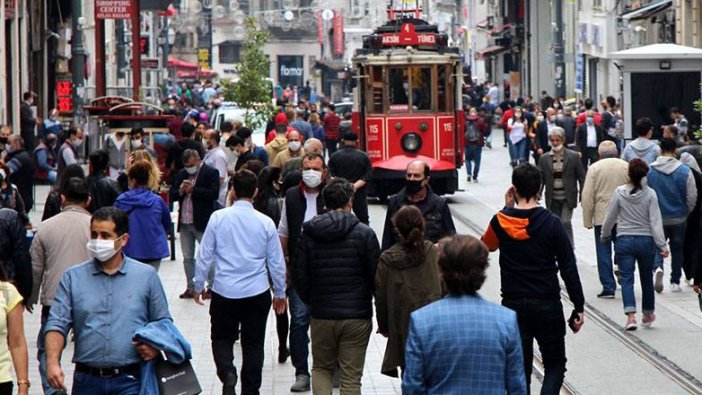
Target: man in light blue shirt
{"x": 244, "y": 247}
{"x": 104, "y": 300}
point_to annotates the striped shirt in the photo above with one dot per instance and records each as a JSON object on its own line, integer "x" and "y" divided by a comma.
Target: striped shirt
{"x": 558, "y": 189}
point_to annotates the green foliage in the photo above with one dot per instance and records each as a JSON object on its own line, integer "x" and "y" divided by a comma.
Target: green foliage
{"x": 252, "y": 91}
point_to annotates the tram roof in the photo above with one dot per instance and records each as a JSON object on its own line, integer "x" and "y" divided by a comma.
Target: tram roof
{"x": 402, "y": 56}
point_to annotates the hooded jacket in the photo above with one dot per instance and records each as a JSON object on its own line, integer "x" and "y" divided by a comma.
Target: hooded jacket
{"x": 334, "y": 266}
{"x": 149, "y": 222}
{"x": 675, "y": 187}
{"x": 275, "y": 147}
{"x": 634, "y": 214}
{"x": 642, "y": 148}
{"x": 403, "y": 284}
{"x": 534, "y": 247}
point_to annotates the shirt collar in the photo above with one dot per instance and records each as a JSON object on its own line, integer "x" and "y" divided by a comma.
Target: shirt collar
{"x": 242, "y": 203}
{"x": 122, "y": 269}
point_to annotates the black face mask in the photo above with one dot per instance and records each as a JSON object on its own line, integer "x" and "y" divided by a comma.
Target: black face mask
{"x": 3, "y": 140}
{"x": 413, "y": 186}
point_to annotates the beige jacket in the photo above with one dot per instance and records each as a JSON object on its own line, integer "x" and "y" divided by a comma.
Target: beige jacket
{"x": 60, "y": 242}
{"x": 603, "y": 178}
{"x": 283, "y": 157}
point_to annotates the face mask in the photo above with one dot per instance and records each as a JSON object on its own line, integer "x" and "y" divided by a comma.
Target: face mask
{"x": 413, "y": 186}
{"x": 312, "y": 178}
{"x": 102, "y": 250}
{"x": 557, "y": 148}
{"x": 589, "y": 121}
{"x": 540, "y": 118}
{"x": 294, "y": 145}
{"x": 236, "y": 153}
{"x": 137, "y": 143}
{"x": 518, "y": 114}
{"x": 191, "y": 170}
{"x": 3, "y": 140}
{"x": 9, "y": 149}
{"x": 77, "y": 143}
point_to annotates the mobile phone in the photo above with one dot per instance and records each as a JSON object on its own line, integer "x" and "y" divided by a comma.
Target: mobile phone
{"x": 571, "y": 321}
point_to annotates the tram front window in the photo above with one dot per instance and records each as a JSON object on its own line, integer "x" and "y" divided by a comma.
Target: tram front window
{"x": 399, "y": 87}
{"x": 410, "y": 89}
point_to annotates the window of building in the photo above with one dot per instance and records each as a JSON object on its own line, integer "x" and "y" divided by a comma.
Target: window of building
{"x": 229, "y": 53}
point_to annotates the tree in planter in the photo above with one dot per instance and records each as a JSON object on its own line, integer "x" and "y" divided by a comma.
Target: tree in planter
{"x": 252, "y": 91}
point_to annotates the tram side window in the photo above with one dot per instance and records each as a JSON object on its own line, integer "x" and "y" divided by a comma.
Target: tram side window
{"x": 445, "y": 89}
{"x": 375, "y": 90}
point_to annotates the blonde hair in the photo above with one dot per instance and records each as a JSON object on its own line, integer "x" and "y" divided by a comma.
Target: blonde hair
{"x": 154, "y": 172}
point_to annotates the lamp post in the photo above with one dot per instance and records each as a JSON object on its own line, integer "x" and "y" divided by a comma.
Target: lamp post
{"x": 77, "y": 56}
{"x": 558, "y": 49}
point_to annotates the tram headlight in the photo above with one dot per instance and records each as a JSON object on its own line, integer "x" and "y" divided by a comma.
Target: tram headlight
{"x": 411, "y": 142}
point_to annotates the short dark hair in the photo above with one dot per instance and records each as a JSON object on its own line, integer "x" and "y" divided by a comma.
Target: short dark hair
{"x": 27, "y": 95}
{"x": 99, "y": 159}
{"x": 463, "y": 260}
{"x": 190, "y": 153}
{"x": 526, "y": 179}
{"x": 675, "y": 110}
{"x": 337, "y": 193}
{"x": 72, "y": 131}
{"x": 140, "y": 172}
{"x": 136, "y": 130}
{"x": 234, "y": 140}
{"x": 588, "y": 103}
{"x": 332, "y": 106}
{"x": 611, "y": 101}
{"x": 244, "y": 132}
{"x": 75, "y": 190}
{"x": 312, "y": 156}
{"x": 111, "y": 213}
{"x": 226, "y": 126}
{"x": 668, "y": 145}
{"x": 187, "y": 130}
{"x": 254, "y": 165}
{"x": 244, "y": 183}
{"x": 643, "y": 125}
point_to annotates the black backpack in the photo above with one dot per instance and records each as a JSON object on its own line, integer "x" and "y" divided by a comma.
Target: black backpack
{"x": 472, "y": 133}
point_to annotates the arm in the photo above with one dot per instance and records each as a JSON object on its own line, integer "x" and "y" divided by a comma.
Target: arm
{"x": 587, "y": 199}
{"x": 206, "y": 254}
{"x": 59, "y": 323}
{"x": 366, "y": 176}
{"x": 210, "y": 192}
{"x": 54, "y": 342}
{"x": 514, "y": 370}
{"x": 388, "y": 230}
{"x": 68, "y": 157}
{"x": 656, "y": 220}
{"x": 580, "y": 174}
{"x": 691, "y": 191}
{"x": 21, "y": 261}
{"x": 567, "y": 266}
{"x": 17, "y": 345}
{"x": 381, "y": 308}
{"x": 38, "y": 267}
{"x": 490, "y": 239}
{"x": 283, "y": 230}
{"x": 413, "y": 376}
{"x": 165, "y": 216}
{"x": 447, "y": 220}
{"x": 158, "y": 304}
{"x": 276, "y": 263}
{"x": 611, "y": 216}
{"x": 42, "y": 161}
{"x": 300, "y": 274}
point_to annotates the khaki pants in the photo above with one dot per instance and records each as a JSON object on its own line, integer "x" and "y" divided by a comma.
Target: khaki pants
{"x": 342, "y": 341}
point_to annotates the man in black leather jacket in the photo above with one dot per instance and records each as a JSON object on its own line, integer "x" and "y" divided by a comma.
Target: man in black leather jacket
{"x": 14, "y": 252}
{"x": 103, "y": 190}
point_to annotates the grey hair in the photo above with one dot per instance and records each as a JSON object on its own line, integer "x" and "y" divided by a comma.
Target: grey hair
{"x": 557, "y": 131}
{"x": 607, "y": 149}
{"x": 190, "y": 153}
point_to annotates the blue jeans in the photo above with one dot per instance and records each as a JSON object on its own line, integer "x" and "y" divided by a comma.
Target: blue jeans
{"x": 41, "y": 352}
{"x": 299, "y": 339}
{"x": 519, "y": 152}
{"x": 87, "y": 384}
{"x": 675, "y": 234}
{"x": 473, "y": 154}
{"x": 604, "y": 260}
{"x": 188, "y": 235}
{"x": 630, "y": 250}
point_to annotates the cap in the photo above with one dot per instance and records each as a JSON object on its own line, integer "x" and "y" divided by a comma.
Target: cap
{"x": 281, "y": 118}
{"x": 350, "y": 136}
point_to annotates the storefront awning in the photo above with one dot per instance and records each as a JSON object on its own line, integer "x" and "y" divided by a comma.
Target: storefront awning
{"x": 491, "y": 51}
{"x": 501, "y": 29}
{"x": 483, "y": 25}
{"x": 647, "y": 11}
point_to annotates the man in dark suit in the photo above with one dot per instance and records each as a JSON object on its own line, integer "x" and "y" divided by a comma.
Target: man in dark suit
{"x": 563, "y": 176}
{"x": 28, "y": 120}
{"x": 588, "y": 137}
{"x": 196, "y": 188}
{"x": 542, "y": 128}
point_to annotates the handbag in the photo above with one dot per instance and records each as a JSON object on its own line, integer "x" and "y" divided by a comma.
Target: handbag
{"x": 177, "y": 379}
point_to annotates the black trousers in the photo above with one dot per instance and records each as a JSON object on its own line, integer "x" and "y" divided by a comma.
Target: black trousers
{"x": 589, "y": 156}
{"x": 360, "y": 205}
{"x": 542, "y": 320}
{"x": 6, "y": 388}
{"x": 247, "y": 316}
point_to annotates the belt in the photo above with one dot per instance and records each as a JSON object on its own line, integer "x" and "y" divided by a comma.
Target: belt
{"x": 108, "y": 372}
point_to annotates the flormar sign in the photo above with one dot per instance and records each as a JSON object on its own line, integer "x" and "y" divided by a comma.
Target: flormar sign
{"x": 113, "y": 9}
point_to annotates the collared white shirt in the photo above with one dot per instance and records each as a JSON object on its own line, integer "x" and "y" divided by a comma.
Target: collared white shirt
{"x": 591, "y": 136}
{"x": 218, "y": 159}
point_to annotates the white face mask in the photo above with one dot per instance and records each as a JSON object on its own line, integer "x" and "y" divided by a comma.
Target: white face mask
{"x": 77, "y": 143}
{"x": 102, "y": 250}
{"x": 137, "y": 143}
{"x": 294, "y": 145}
{"x": 236, "y": 153}
{"x": 191, "y": 170}
{"x": 557, "y": 148}
{"x": 312, "y": 178}
{"x": 540, "y": 118}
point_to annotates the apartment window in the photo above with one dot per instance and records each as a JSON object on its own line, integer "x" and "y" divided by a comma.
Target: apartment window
{"x": 597, "y": 4}
{"x": 229, "y": 52}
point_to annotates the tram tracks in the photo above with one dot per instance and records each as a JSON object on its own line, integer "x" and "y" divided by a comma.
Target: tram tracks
{"x": 668, "y": 368}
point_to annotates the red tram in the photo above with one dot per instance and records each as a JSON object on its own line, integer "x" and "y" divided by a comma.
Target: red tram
{"x": 407, "y": 100}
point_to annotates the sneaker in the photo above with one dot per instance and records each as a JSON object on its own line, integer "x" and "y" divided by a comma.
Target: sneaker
{"x": 283, "y": 354}
{"x": 630, "y": 325}
{"x": 648, "y": 320}
{"x": 229, "y": 386}
{"x": 675, "y": 287}
{"x": 605, "y": 295}
{"x": 469, "y": 179}
{"x": 475, "y": 180}
{"x": 302, "y": 383}
{"x": 658, "y": 282}
{"x": 188, "y": 294}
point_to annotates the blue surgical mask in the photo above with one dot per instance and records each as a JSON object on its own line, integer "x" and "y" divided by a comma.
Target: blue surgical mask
{"x": 589, "y": 121}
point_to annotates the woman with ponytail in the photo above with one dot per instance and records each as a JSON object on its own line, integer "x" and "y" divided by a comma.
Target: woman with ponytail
{"x": 407, "y": 278}
{"x": 639, "y": 237}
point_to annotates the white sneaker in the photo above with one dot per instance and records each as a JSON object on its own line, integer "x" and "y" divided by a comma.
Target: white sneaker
{"x": 658, "y": 280}
{"x": 675, "y": 287}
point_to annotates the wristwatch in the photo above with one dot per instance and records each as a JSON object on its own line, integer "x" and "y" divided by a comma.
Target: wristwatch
{"x": 24, "y": 381}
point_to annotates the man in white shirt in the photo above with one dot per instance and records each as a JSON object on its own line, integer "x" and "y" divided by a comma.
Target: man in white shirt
{"x": 215, "y": 157}
{"x": 244, "y": 247}
{"x": 588, "y": 137}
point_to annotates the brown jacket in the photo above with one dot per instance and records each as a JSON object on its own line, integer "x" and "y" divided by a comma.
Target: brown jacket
{"x": 403, "y": 284}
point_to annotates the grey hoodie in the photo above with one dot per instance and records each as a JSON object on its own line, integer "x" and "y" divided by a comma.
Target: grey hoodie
{"x": 642, "y": 148}
{"x": 635, "y": 215}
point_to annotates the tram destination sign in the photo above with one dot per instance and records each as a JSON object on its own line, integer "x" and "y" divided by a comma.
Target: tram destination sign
{"x": 408, "y": 36}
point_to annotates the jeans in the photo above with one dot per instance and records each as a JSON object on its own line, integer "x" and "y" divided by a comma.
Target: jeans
{"x": 543, "y": 320}
{"x": 228, "y": 318}
{"x": 589, "y": 157}
{"x": 331, "y": 147}
{"x": 604, "y": 260}
{"x": 630, "y": 250}
{"x": 41, "y": 352}
{"x": 565, "y": 213}
{"x": 343, "y": 342}
{"x": 188, "y": 236}
{"x": 473, "y": 154}
{"x": 87, "y": 384}
{"x": 675, "y": 234}
{"x": 299, "y": 339}
{"x": 519, "y": 152}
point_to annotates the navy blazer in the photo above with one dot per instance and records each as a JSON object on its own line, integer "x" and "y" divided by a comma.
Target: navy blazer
{"x": 205, "y": 194}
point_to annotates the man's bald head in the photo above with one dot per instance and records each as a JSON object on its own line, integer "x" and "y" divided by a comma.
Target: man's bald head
{"x": 314, "y": 145}
{"x": 416, "y": 168}
{"x": 294, "y": 135}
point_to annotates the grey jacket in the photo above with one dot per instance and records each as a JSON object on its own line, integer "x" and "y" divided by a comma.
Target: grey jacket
{"x": 573, "y": 176}
{"x": 635, "y": 214}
